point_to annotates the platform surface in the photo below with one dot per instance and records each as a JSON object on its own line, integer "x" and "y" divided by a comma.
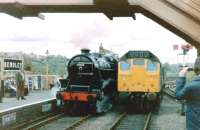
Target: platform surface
{"x": 33, "y": 97}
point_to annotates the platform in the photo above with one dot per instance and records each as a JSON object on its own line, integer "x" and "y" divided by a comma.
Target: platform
{"x": 32, "y": 97}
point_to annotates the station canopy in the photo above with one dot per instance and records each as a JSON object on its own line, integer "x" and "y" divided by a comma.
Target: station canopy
{"x": 179, "y": 16}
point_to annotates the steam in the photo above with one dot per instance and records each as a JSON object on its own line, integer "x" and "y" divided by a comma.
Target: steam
{"x": 83, "y": 38}
{"x": 54, "y": 90}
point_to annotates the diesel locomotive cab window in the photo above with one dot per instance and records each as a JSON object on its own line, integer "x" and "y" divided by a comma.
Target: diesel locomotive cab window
{"x": 151, "y": 66}
{"x": 139, "y": 62}
{"x": 125, "y": 65}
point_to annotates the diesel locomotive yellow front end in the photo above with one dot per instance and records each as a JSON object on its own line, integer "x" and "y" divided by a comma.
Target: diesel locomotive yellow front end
{"x": 140, "y": 79}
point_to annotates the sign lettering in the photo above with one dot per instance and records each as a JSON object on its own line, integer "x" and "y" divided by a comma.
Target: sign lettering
{"x": 46, "y": 107}
{"x": 8, "y": 118}
{"x": 10, "y": 64}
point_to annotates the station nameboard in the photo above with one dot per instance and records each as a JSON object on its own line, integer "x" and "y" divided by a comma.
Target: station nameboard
{"x": 12, "y": 64}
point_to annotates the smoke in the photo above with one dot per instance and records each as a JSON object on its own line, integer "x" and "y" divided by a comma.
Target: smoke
{"x": 85, "y": 36}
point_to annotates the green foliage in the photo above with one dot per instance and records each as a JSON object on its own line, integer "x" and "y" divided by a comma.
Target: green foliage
{"x": 28, "y": 67}
{"x": 27, "y": 63}
{"x": 56, "y": 64}
{"x": 173, "y": 69}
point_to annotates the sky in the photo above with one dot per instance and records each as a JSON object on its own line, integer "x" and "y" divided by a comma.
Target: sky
{"x": 66, "y": 33}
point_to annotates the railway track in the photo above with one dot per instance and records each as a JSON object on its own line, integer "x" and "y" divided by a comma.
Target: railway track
{"x": 132, "y": 122}
{"x": 78, "y": 123}
{"x": 115, "y": 121}
{"x": 108, "y": 121}
{"x": 40, "y": 122}
{"x": 36, "y": 124}
{"x": 169, "y": 93}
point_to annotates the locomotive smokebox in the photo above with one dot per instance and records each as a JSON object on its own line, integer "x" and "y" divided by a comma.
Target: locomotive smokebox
{"x": 85, "y": 51}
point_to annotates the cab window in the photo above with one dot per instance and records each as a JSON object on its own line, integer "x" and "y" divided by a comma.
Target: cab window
{"x": 125, "y": 65}
{"x": 139, "y": 62}
{"x": 151, "y": 66}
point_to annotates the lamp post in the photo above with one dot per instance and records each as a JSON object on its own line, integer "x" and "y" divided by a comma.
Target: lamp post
{"x": 47, "y": 68}
{"x": 185, "y": 49}
{"x": 1, "y": 78}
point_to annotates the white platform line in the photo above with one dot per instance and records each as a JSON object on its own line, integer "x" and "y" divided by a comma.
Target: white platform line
{"x": 25, "y": 105}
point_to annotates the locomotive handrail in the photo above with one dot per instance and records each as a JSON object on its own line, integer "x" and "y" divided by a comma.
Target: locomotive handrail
{"x": 86, "y": 73}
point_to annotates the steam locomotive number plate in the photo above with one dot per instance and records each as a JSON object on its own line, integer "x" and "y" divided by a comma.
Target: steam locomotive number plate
{"x": 80, "y": 64}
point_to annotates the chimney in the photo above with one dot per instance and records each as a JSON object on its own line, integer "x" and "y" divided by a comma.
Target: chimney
{"x": 85, "y": 51}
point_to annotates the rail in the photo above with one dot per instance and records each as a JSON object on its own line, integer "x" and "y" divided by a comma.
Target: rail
{"x": 119, "y": 120}
{"x": 114, "y": 125}
{"x": 170, "y": 93}
{"x": 78, "y": 123}
{"x": 40, "y": 122}
{"x": 148, "y": 120}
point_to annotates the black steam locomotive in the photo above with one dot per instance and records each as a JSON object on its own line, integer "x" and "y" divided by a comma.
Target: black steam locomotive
{"x": 91, "y": 83}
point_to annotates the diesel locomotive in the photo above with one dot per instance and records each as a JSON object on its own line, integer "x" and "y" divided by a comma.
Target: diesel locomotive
{"x": 140, "y": 80}
{"x": 91, "y": 83}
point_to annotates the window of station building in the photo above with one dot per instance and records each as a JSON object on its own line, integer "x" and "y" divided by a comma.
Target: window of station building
{"x": 152, "y": 66}
{"x": 125, "y": 65}
{"x": 139, "y": 62}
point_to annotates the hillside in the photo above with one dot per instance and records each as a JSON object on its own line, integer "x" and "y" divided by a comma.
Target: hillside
{"x": 56, "y": 64}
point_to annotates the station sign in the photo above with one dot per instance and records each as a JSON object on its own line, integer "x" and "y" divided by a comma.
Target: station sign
{"x": 8, "y": 118}
{"x": 13, "y": 64}
{"x": 46, "y": 107}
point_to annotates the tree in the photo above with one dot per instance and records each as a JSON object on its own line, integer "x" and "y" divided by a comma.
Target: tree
{"x": 27, "y": 63}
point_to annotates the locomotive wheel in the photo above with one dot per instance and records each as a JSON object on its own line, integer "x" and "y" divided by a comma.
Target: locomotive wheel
{"x": 142, "y": 105}
{"x": 148, "y": 105}
{"x": 92, "y": 109}
{"x": 158, "y": 102}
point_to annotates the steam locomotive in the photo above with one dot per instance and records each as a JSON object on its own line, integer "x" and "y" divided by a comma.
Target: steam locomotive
{"x": 91, "y": 84}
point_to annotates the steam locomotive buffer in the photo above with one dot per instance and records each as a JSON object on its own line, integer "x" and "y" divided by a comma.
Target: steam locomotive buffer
{"x": 91, "y": 83}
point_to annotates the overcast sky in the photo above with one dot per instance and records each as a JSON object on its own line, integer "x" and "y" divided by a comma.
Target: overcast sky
{"x": 65, "y": 34}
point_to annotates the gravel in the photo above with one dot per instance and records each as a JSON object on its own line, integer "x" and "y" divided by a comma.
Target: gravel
{"x": 132, "y": 122}
{"x": 60, "y": 124}
{"x": 102, "y": 122}
{"x": 168, "y": 117}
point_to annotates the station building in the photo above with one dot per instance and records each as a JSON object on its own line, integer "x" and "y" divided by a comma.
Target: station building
{"x": 10, "y": 65}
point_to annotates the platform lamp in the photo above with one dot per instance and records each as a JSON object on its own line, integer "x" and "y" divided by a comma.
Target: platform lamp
{"x": 185, "y": 49}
